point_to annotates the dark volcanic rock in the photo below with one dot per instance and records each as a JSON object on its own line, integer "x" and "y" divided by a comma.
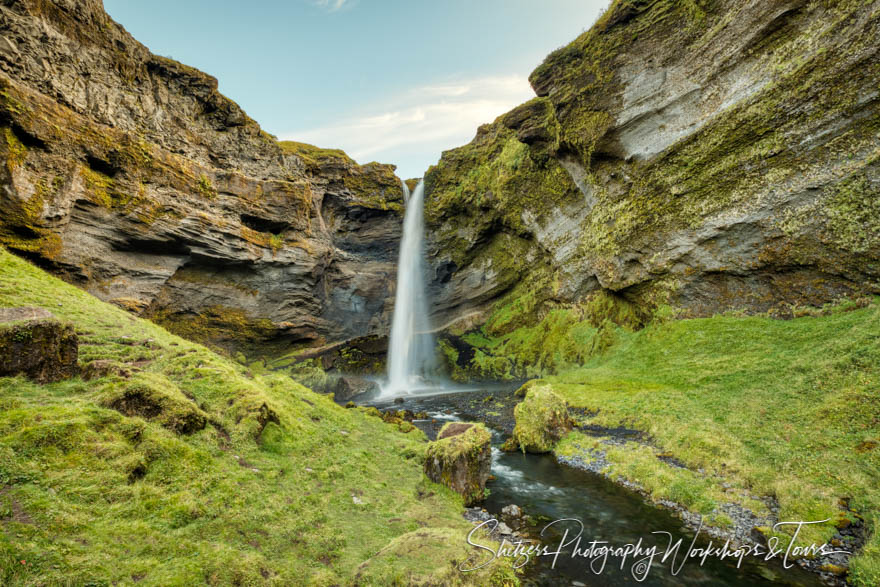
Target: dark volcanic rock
{"x": 34, "y": 343}
{"x": 347, "y": 387}
{"x": 130, "y": 175}
{"x": 363, "y": 355}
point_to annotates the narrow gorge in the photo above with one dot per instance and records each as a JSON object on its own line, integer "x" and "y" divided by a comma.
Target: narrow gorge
{"x": 647, "y": 299}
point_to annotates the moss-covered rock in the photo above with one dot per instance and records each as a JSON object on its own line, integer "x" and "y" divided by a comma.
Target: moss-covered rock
{"x": 460, "y": 459}
{"x": 541, "y": 420}
{"x": 35, "y": 344}
{"x": 104, "y": 368}
{"x": 143, "y": 397}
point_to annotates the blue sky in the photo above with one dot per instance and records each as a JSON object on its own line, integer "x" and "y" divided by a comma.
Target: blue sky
{"x": 396, "y": 81}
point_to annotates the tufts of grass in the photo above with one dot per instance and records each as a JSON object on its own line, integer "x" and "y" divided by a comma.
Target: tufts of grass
{"x": 785, "y": 409}
{"x": 194, "y": 470}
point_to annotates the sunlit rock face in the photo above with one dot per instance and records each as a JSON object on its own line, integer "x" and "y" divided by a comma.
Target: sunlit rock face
{"x": 708, "y": 156}
{"x": 131, "y": 175}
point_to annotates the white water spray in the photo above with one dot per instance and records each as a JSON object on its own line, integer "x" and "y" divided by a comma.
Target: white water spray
{"x": 411, "y": 348}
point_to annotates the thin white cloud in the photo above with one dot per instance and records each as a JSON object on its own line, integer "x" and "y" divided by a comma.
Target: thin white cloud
{"x": 427, "y": 119}
{"x": 334, "y": 5}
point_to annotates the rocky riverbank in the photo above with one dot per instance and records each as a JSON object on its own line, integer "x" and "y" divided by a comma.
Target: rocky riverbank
{"x": 741, "y": 525}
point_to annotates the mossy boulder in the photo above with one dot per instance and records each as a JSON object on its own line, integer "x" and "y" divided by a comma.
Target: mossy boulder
{"x": 461, "y": 459}
{"x": 34, "y": 343}
{"x": 104, "y": 368}
{"x": 541, "y": 420}
{"x": 164, "y": 404}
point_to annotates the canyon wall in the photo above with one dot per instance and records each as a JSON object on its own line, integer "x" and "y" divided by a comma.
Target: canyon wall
{"x": 704, "y": 155}
{"x": 129, "y": 174}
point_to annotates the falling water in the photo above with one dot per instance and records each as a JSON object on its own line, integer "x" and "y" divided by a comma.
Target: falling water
{"x": 411, "y": 348}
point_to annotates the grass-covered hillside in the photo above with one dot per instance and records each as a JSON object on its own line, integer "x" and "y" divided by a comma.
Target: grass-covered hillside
{"x": 203, "y": 473}
{"x": 755, "y": 407}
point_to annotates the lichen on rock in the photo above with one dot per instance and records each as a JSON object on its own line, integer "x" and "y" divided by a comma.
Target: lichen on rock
{"x": 460, "y": 459}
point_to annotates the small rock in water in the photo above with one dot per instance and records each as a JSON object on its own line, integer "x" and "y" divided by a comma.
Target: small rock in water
{"x": 512, "y": 511}
{"x": 398, "y": 400}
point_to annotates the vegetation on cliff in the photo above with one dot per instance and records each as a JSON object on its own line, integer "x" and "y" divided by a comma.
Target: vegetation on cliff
{"x": 704, "y": 155}
{"x": 177, "y": 466}
{"x": 145, "y": 185}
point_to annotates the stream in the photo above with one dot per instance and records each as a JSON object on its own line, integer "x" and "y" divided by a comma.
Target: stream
{"x": 546, "y": 491}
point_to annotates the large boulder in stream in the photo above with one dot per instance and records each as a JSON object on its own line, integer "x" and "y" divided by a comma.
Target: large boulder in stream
{"x": 541, "y": 420}
{"x": 35, "y": 343}
{"x": 460, "y": 459}
{"x": 349, "y": 386}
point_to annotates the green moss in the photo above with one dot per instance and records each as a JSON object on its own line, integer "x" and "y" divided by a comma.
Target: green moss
{"x": 455, "y": 461}
{"x": 154, "y": 397}
{"x": 854, "y": 213}
{"x": 16, "y": 152}
{"x": 220, "y": 326}
{"x": 527, "y": 336}
{"x": 397, "y": 565}
{"x": 313, "y": 155}
{"x": 700, "y": 389}
{"x": 497, "y": 175}
{"x": 242, "y": 498}
{"x": 541, "y": 420}
{"x": 310, "y": 374}
{"x": 205, "y": 187}
{"x": 865, "y": 569}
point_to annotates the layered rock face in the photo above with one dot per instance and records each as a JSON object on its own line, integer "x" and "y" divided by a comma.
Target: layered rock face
{"x": 128, "y": 174}
{"x": 706, "y": 155}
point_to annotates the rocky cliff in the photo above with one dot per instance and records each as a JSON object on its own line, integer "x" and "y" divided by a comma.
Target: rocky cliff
{"x": 704, "y": 155}
{"x": 130, "y": 175}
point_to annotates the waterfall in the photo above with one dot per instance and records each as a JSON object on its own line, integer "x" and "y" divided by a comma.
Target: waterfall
{"x": 411, "y": 348}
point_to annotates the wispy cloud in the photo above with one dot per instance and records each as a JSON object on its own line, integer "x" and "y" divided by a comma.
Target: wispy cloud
{"x": 426, "y": 120}
{"x": 334, "y": 5}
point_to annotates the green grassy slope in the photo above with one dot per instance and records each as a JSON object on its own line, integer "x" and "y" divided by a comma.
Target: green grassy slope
{"x": 781, "y": 408}
{"x": 91, "y": 496}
